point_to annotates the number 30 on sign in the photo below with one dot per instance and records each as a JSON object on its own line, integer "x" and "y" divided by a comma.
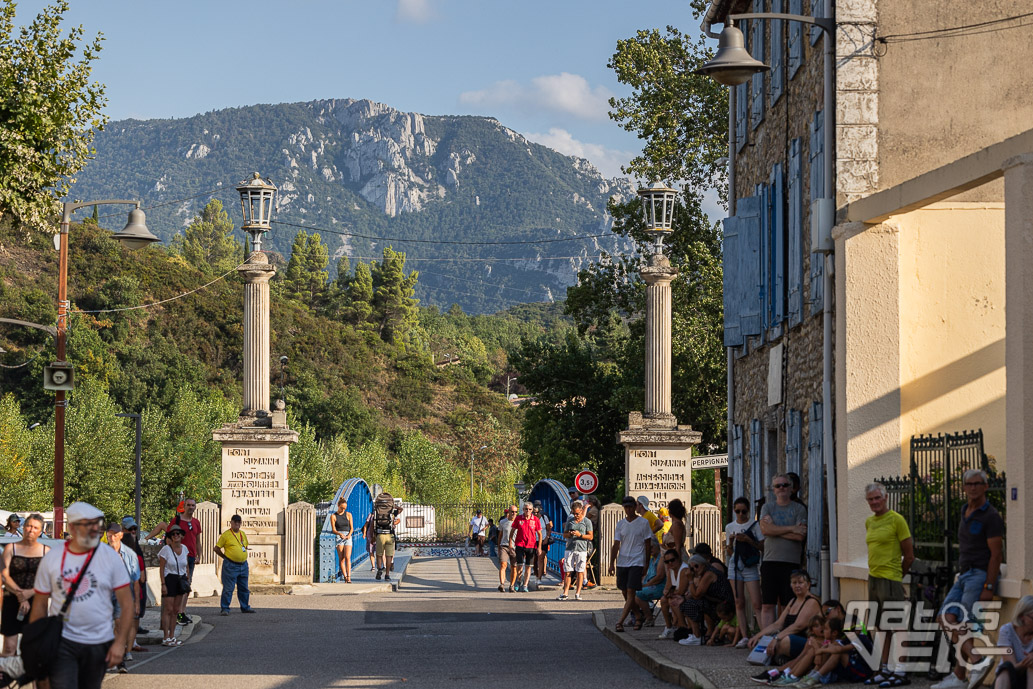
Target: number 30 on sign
{"x": 586, "y": 482}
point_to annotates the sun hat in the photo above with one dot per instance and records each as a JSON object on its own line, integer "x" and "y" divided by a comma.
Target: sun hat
{"x": 82, "y": 512}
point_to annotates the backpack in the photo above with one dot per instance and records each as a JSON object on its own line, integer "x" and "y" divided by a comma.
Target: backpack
{"x": 746, "y": 553}
{"x": 383, "y": 513}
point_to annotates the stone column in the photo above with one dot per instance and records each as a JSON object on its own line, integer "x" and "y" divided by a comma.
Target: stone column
{"x": 257, "y": 272}
{"x": 658, "y": 276}
{"x": 1018, "y": 242}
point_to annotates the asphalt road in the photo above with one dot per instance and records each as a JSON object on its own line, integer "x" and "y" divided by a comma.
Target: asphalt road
{"x": 447, "y": 626}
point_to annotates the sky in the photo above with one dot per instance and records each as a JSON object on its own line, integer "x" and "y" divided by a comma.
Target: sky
{"x": 538, "y": 66}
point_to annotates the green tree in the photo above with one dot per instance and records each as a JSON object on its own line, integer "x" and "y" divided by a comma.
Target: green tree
{"x": 208, "y": 243}
{"x": 306, "y": 276}
{"x": 49, "y": 113}
{"x": 395, "y": 312}
{"x": 22, "y": 485}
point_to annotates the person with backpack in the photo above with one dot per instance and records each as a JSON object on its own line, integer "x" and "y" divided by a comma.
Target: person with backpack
{"x": 385, "y": 519}
{"x": 742, "y": 544}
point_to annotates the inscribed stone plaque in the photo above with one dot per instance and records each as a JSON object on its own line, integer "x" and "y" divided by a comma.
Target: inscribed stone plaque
{"x": 660, "y": 473}
{"x": 254, "y": 485}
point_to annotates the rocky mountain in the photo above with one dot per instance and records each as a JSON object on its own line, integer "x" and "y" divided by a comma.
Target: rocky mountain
{"x": 477, "y": 207}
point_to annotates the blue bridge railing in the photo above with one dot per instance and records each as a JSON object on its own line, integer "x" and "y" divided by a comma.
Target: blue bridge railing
{"x": 360, "y": 504}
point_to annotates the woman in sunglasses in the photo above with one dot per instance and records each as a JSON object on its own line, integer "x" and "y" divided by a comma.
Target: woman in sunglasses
{"x": 790, "y": 629}
{"x": 172, "y": 564}
{"x": 743, "y": 545}
{"x": 678, "y": 579}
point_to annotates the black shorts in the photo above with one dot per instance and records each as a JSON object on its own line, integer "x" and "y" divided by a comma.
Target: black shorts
{"x": 774, "y": 582}
{"x": 175, "y": 586}
{"x": 10, "y": 625}
{"x": 525, "y": 556}
{"x": 629, "y": 578}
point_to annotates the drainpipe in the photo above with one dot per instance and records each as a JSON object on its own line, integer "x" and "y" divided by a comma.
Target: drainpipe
{"x": 828, "y": 441}
{"x": 730, "y": 356}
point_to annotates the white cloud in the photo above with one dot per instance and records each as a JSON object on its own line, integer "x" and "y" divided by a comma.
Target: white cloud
{"x": 564, "y": 93}
{"x": 607, "y": 160}
{"x": 414, "y": 11}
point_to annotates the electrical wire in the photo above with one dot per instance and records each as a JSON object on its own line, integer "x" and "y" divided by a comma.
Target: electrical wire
{"x": 440, "y": 241}
{"x": 163, "y": 301}
{"x": 531, "y": 259}
{"x": 954, "y": 31}
{"x": 24, "y": 363}
{"x": 477, "y": 282}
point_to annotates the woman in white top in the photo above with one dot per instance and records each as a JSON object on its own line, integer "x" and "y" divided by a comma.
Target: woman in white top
{"x": 1018, "y": 636}
{"x": 678, "y": 578}
{"x": 743, "y": 547}
{"x": 172, "y": 563}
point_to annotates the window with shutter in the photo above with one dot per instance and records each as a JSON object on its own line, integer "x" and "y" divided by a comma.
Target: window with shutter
{"x": 795, "y": 39}
{"x": 763, "y": 192}
{"x": 777, "y": 231}
{"x": 777, "y": 56}
{"x": 817, "y": 10}
{"x": 731, "y": 262}
{"x": 817, "y": 165}
{"x": 793, "y": 432}
{"x": 815, "y": 492}
{"x": 756, "y": 49}
{"x": 756, "y": 485}
{"x": 750, "y": 290}
{"x": 738, "y": 480}
{"x": 794, "y": 228}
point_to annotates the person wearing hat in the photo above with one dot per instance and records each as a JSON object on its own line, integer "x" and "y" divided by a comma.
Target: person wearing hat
{"x": 232, "y": 548}
{"x": 707, "y": 588}
{"x": 632, "y": 545}
{"x": 175, "y": 584}
{"x": 191, "y": 526}
{"x": 478, "y": 531}
{"x": 130, "y": 529}
{"x": 664, "y": 517}
{"x": 115, "y": 534}
{"x": 14, "y": 526}
{"x": 642, "y": 509}
{"x": 89, "y": 645}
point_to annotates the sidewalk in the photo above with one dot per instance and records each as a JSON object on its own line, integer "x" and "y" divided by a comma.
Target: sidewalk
{"x": 702, "y": 667}
{"x": 364, "y": 579}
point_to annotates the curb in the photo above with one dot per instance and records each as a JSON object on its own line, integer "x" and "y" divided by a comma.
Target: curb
{"x": 668, "y": 671}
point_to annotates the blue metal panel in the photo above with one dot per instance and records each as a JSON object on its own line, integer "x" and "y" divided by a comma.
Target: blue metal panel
{"x": 815, "y": 492}
{"x": 756, "y": 48}
{"x": 795, "y": 39}
{"x": 732, "y": 285}
{"x": 795, "y": 229}
{"x": 735, "y": 466}
{"x": 360, "y": 504}
{"x": 793, "y": 433}
{"x": 756, "y": 487}
{"x": 751, "y": 278}
{"x": 556, "y": 505}
{"x": 777, "y": 55}
{"x": 817, "y": 164}
{"x": 816, "y": 11}
{"x": 777, "y": 233}
{"x": 764, "y": 192}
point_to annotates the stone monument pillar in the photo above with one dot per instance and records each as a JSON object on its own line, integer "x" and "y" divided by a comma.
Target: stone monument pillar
{"x": 657, "y": 450}
{"x": 256, "y": 448}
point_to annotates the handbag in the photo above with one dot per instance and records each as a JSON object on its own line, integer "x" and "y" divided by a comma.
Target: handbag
{"x": 41, "y": 639}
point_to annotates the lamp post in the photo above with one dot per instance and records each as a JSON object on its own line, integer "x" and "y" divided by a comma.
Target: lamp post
{"x": 134, "y": 235}
{"x": 138, "y": 418}
{"x": 483, "y": 447}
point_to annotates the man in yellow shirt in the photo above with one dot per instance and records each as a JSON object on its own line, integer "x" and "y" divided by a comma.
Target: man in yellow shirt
{"x": 232, "y": 548}
{"x": 642, "y": 508}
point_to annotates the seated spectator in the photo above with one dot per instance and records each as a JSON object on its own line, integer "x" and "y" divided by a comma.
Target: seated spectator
{"x": 802, "y": 664}
{"x": 832, "y": 660}
{"x": 727, "y": 630}
{"x": 1018, "y": 636}
{"x": 653, "y": 584}
{"x": 789, "y": 641}
{"x": 678, "y": 578}
{"x": 705, "y": 550}
{"x": 709, "y": 587}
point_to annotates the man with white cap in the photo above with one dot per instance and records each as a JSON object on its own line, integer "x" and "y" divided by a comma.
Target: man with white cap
{"x": 88, "y": 644}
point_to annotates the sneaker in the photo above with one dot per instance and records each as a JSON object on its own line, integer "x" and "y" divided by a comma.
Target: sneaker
{"x": 810, "y": 680}
{"x": 181, "y": 618}
{"x": 224, "y": 613}
{"x": 248, "y": 611}
{"x": 978, "y": 672}
{"x": 122, "y": 669}
{"x": 511, "y": 589}
{"x": 141, "y": 630}
{"x": 501, "y": 589}
{"x": 743, "y": 643}
{"x": 577, "y": 596}
{"x": 691, "y": 640}
{"x": 765, "y": 677}
{"x": 380, "y": 574}
{"x": 784, "y": 680}
{"x": 562, "y": 596}
{"x": 667, "y": 633}
{"x": 951, "y": 681}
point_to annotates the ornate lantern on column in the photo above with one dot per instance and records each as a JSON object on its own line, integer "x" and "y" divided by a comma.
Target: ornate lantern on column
{"x": 256, "y": 203}
{"x": 658, "y": 211}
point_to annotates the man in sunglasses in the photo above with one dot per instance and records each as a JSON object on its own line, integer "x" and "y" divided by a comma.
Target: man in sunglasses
{"x": 526, "y": 536}
{"x": 784, "y": 526}
{"x": 507, "y": 556}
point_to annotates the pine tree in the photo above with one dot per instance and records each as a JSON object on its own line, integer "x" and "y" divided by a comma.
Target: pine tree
{"x": 208, "y": 243}
{"x": 294, "y": 277}
{"x": 394, "y": 307}
{"x": 359, "y": 309}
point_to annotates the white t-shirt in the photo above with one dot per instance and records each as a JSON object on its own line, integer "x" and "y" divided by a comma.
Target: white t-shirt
{"x": 89, "y": 615}
{"x": 733, "y": 528}
{"x": 479, "y": 525}
{"x": 675, "y": 577}
{"x": 174, "y": 564}
{"x": 632, "y": 537}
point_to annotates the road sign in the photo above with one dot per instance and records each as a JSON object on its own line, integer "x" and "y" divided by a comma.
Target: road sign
{"x": 710, "y": 462}
{"x": 586, "y": 482}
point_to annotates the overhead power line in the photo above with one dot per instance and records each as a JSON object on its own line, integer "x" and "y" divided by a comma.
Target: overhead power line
{"x": 441, "y": 241}
{"x": 954, "y": 31}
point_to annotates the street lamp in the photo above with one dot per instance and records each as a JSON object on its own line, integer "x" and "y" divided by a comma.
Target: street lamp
{"x": 134, "y": 235}
{"x": 256, "y": 202}
{"x": 658, "y": 212}
{"x": 483, "y": 447}
{"x": 732, "y": 64}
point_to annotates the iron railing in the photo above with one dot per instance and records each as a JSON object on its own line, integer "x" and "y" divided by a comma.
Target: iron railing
{"x": 442, "y": 523}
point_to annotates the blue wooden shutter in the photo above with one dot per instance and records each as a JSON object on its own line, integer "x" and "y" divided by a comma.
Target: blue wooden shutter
{"x": 815, "y": 492}
{"x": 793, "y": 433}
{"x": 733, "y": 297}
{"x": 794, "y": 227}
{"x": 764, "y": 194}
{"x": 816, "y": 11}
{"x": 756, "y": 489}
{"x": 738, "y": 480}
{"x": 777, "y": 57}
{"x": 778, "y": 247}
{"x": 795, "y": 39}
{"x": 756, "y": 49}
{"x": 741, "y": 108}
{"x": 750, "y": 274}
{"x": 817, "y": 164}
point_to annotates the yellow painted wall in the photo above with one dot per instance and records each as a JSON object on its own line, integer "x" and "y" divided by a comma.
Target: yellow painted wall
{"x": 952, "y": 320}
